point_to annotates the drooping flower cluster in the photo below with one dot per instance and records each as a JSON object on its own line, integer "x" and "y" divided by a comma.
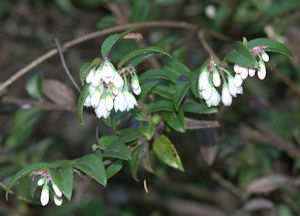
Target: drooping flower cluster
{"x": 109, "y": 90}
{"x": 44, "y": 181}
{"x": 210, "y": 79}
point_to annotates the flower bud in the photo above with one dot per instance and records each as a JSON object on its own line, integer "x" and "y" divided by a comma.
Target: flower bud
{"x": 137, "y": 91}
{"x": 216, "y": 78}
{"x": 214, "y": 100}
{"x": 58, "y": 200}
{"x": 244, "y": 73}
{"x": 90, "y": 75}
{"x": 118, "y": 81}
{"x": 45, "y": 195}
{"x": 96, "y": 97}
{"x": 251, "y": 72}
{"x": 226, "y": 97}
{"x": 261, "y": 73}
{"x": 265, "y": 56}
{"x": 210, "y": 11}
{"x": 108, "y": 71}
{"x": 97, "y": 77}
{"x": 87, "y": 102}
{"x": 109, "y": 103}
{"x": 206, "y": 93}
{"x": 41, "y": 181}
{"x": 203, "y": 79}
{"x": 56, "y": 189}
{"x": 130, "y": 99}
{"x": 236, "y": 68}
{"x": 238, "y": 80}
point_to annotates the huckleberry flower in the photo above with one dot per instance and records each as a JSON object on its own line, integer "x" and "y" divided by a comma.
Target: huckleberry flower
{"x": 58, "y": 200}
{"x": 130, "y": 99}
{"x": 90, "y": 75}
{"x": 45, "y": 195}
{"x": 265, "y": 56}
{"x": 97, "y": 77}
{"x": 108, "y": 71}
{"x": 206, "y": 93}
{"x": 216, "y": 78}
{"x": 118, "y": 81}
{"x": 95, "y": 98}
{"x": 56, "y": 189}
{"x": 251, "y": 72}
{"x": 233, "y": 89}
{"x": 226, "y": 97}
{"x": 244, "y": 72}
{"x": 87, "y": 102}
{"x": 261, "y": 72}
{"x": 214, "y": 100}
{"x": 41, "y": 181}
{"x": 91, "y": 89}
{"x": 203, "y": 79}
{"x": 236, "y": 68}
{"x": 120, "y": 102}
{"x": 109, "y": 103}
{"x": 135, "y": 85}
{"x": 238, "y": 80}
{"x": 101, "y": 110}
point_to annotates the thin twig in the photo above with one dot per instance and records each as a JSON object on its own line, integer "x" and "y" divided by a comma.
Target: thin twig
{"x": 65, "y": 46}
{"x": 18, "y": 196}
{"x": 206, "y": 46}
{"x": 65, "y": 65}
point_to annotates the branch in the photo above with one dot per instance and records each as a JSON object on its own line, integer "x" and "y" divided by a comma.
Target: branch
{"x": 65, "y": 46}
{"x": 207, "y": 47}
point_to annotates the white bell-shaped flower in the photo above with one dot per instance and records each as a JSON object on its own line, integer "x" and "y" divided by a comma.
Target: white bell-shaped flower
{"x": 261, "y": 72}
{"x": 45, "y": 195}
{"x": 92, "y": 89}
{"x": 120, "y": 102}
{"x": 97, "y": 77}
{"x": 109, "y": 103}
{"x": 135, "y": 82}
{"x": 95, "y": 98}
{"x": 87, "y": 102}
{"x": 108, "y": 72}
{"x": 251, "y": 72}
{"x": 137, "y": 91}
{"x": 232, "y": 87}
{"x": 118, "y": 81}
{"x": 238, "y": 80}
{"x": 215, "y": 98}
{"x": 131, "y": 101}
{"x": 58, "y": 200}
{"x": 203, "y": 79}
{"x": 56, "y": 189}
{"x": 41, "y": 181}
{"x": 239, "y": 90}
{"x": 216, "y": 78}
{"x": 237, "y": 68}
{"x": 265, "y": 56}
{"x": 244, "y": 72}
{"x": 226, "y": 96}
{"x": 206, "y": 93}
{"x": 90, "y": 75}
{"x": 101, "y": 110}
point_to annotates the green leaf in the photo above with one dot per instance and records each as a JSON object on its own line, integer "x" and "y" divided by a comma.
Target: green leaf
{"x": 33, "y": 186}
{"x": 175, "y": 69}
{"x": 140, "y": 57}
{"x": 166, "y": 152}
{"x": 26, "y": 171}
{"x": 154, "y": 73}
{"x": 127, "y": 135}
{"x": 136, "y": 52}
{"x": 241, "y": 55}
{"x": 24, "y": 119}
{"x": 200, "y": 108}
{"x": 134, "y": 161}
{"x": 164, "y": 91}
{"x": 148, "y": 130}
{"x": 117, "y": 149}
{"x": 160, "y": 105}
{"x": 140, "y": 12}
{"x": 274, "y": 46}
{"x": 110, "y": 41}
{"x": 63, "y": 178}
{"x": 175, "y": 121}
{"x": 146, "y": 88}
{"x": 114, "y": 168}
{"x": 92, "y": 165}
{"x": 107, "y": 140}
{"x": 84, "y": 93}
{"x": 107, "y": 21}
{"x": 34, "y": 86}
{"x": 181, "y": 88}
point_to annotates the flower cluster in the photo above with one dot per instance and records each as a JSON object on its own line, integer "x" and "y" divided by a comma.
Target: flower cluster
{"x": 109, "y": 90}
{"x": 210, "y": 79}
{"x": 44, "y": 180}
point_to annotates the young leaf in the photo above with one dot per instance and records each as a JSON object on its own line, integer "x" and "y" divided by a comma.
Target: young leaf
{"x": 274, "y": 46}
{"x": 148, "y": 130}
{"x": 134, "y": 53}
{"x": 114, "y": 168}
{"x": 84, "y": 93}
{"x": 127, "y": 135}
{"x": 175, "y": 121}
{"x": 117, "y": 149}
{"x": 26, "y": 171}
{"x": 146, "y": 88}
{"x": 107, "y": 140}
{"x": 110, "y": 41}
{"x": 92, "y": 166}
{"x": 160, "y": 105}
{"x": 181, "y": 88}
{"x": 63, "y": 178}
{"x": 200, "y": 108}
{"x": 166, "y": 152}
{"x": 134, "y": 161}
{"x": 241, "y": 55}
{"x": 34, "y": 86}
{"x": 150, "y": 74}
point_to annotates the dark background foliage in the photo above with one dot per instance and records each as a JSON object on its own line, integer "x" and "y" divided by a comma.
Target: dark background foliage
{"x": 247, "y": 166}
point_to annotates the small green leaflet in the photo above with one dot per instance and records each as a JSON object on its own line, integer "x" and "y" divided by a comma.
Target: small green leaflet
{"x": 110, "y": 41}
{"x": 175, "y": 120}
{"x": 63, "y": 178}
{"x": 26, "y": 171}
{"x": 114, "y": 168}
{"x": 274, "y": 46}
{"x": 137, "y": 52}
{"x": 117, "y": 149}
{"x": 166, "y": 152}
{"x": 84, "y": 93}
{"x": 92, "y": 165}
{"x": 241, "y": 55}
{"x": 127, "y": 135}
